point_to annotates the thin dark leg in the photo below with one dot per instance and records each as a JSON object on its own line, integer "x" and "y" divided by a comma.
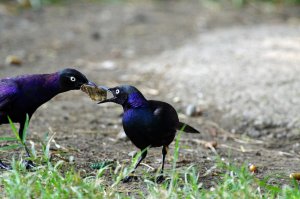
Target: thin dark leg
{"x": 4, "y": 166}
{"x": 164, "y": 153}
{"x": 29, "y": 164}
{"x": 141, "y": 158}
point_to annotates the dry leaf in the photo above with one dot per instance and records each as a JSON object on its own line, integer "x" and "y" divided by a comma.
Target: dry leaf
{"x": 95, "y": 93}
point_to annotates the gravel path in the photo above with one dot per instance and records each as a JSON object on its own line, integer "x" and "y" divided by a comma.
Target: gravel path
{"x": 249, "y": 73}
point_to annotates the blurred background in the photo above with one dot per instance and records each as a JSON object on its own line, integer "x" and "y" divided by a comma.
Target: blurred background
{"x": 229, "y": 64}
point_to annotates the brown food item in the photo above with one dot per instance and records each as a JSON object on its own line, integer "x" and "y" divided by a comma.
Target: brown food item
{"x": 13, "y": 60}
{"x": 95, "y": 93}
{"x": 253, "y": 168}
{"x": 212, "y": 144}
{"x": 295, "y": 176}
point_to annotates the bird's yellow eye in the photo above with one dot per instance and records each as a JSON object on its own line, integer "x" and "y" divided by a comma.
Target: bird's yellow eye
{"x": 117, "y": 91}
{"x": 73, "y": 79}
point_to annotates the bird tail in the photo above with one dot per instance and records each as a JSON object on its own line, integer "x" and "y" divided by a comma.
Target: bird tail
{"x": 186, "y": 128}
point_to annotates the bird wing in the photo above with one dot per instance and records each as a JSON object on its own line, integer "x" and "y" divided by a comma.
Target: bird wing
{"x": 167, "y": 115}
{"x": 8, "y": 93}
{"x": 164, "y": 113}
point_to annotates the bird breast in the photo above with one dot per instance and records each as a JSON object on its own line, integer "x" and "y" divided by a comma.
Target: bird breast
{"x": 138, "y": 118}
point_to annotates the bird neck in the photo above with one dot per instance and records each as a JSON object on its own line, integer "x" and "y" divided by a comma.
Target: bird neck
{"x": 135, "y": 100}
{"x": 43, "y": 86}
{"x": 52, "y": 83}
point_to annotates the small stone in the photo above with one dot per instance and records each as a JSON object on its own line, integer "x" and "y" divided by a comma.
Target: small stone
{"x": 71, "y": 159}
{"x": 132, "y": 153}
{"x": 281, "y": 135}
{"x": 109, "y": 65}
{"x": 141, "y": 18}
{"x": 13, "y": 60}
{"x": 96, "y": 35}
{"x": 152, "y": 91}
{"x": 296, "y": 146}
{"x": 253, "y": 133}
{"x": 176, "y": 99}
{"x": 191, "y": 110}
{"x": 122, "y": 136}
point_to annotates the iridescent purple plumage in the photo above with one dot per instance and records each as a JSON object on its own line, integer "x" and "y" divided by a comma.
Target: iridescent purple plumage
{"x": 22, "y": 95}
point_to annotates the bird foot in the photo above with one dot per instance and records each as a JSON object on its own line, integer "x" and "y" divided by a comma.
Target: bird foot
{"x": 4, "y": 166}
{"x": 29, "y": 165}
{"x": 130, "y": 178}
{"x": 160, "y": 179}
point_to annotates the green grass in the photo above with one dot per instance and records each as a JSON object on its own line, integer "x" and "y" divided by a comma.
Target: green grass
{"x": 50, "y": 182}
{"x": 61, "y": 180}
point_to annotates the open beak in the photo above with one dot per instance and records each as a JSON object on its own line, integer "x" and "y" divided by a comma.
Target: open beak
{"x": 108, "y": 92}
{"x": 91, "y": 84}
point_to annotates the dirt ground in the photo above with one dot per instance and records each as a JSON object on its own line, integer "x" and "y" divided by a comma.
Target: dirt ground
{"x": 238, "y": 65}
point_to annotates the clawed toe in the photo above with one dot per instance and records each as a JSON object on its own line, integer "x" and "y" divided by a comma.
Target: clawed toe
{"x": 29, "y": 165}
{"x": 130, "y": 179}
{"x": 4, "y": 166}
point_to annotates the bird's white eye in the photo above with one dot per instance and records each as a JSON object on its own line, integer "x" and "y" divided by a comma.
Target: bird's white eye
{"x": 117, "y": 91}
{"x": 73, "y": 79}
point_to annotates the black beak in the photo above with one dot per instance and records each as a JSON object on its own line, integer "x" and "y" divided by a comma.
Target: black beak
{"x": 107, "y": 100}
{"x": 104, "y": 88}
{"x": 91, "y": 84}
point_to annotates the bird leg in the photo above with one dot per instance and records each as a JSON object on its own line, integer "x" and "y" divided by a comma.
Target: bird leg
{"x": 130, "y": 177}
{"x": 28, "y": 163}
{"x": 4, "y": 166}
{"x": 164, "y": 151}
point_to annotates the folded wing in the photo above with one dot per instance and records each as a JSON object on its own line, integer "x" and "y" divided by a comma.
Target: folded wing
{"x": 8, "y": 93}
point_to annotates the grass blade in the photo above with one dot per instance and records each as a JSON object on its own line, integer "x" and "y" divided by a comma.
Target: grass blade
{"x": 14, "y": 146}
{"x": 24, "y": 135}
{"x": 8, "y": 139}
{"x": 14, "y": 129}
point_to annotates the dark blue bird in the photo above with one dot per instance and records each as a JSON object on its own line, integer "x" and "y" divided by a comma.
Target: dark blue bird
{"x": 22, "y": 95}
{"x": 147, "y": 123}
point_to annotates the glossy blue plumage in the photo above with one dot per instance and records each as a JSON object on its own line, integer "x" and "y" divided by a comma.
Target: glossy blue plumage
{"x": 153, "y": 123}
{"x": 147, "y": 123}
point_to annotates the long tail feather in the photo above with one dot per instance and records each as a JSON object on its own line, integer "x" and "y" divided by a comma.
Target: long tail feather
{"x": 187, "y": 128}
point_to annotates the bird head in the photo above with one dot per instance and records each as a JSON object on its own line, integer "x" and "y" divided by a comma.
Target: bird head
{"x": 125, "y": 95}
{"x": 71, "y": 79}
